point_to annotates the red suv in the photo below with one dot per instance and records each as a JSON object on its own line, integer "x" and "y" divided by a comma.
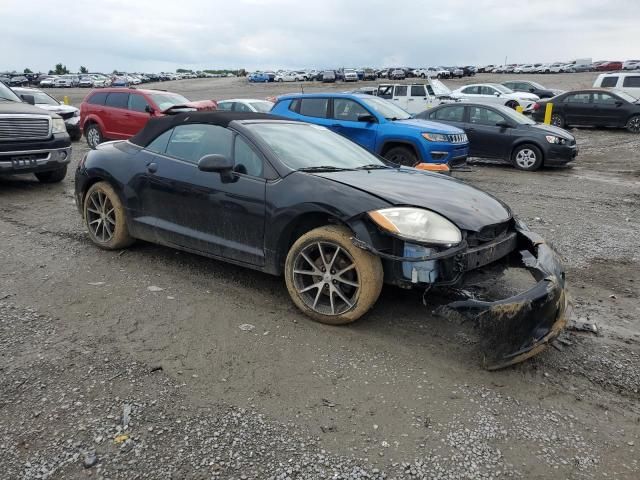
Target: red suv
{"x": 120, "y": 113}
{"x": 607, "y": 66}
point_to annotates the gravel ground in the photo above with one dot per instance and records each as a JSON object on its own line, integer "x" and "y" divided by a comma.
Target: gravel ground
{"x": 141, "y": 364}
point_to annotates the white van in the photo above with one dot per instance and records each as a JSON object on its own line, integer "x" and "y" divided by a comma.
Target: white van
{"x": 627, "y": 82}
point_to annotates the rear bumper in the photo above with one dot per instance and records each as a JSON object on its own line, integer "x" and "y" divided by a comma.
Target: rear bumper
{"x": 515, "y": 328}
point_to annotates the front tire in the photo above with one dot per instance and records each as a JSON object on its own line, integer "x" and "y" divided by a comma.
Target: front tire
{"x": 94, "y": 136}
{"x": 52, "y": 176}
{"x": 330, "y": 279}
{"x": 633, "y": 125}
{"x": 402, "y": 156}
{"x": 511, "y": 104}
{"x": 105, "y": 217}
{"x": 527, "y": 157}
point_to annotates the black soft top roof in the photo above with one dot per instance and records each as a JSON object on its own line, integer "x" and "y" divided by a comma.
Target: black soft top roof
{"x": 159, "y": 125}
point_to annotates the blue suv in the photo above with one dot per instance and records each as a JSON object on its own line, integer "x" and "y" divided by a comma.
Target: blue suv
{"x": 379, "y": 126}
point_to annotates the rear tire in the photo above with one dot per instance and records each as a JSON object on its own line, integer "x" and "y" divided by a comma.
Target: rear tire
{"x": 633, "y": 125}
{"x": 105, "y": 217}
{"x": 329, "y": 296}
{"x": 527, "y": 157}
{"x": 511, "y": 104}
{"x": 557, "y": 120}
{"x": 93, "y": 135}
{"x": 402, "y": 156}
{"x": 52, "y": 176}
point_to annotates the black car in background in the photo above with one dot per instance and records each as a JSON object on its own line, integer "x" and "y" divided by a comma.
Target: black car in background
{"x": 532, "y": 87}
{"x": 593, "y": 107}
{"x": 496, "y": 131}
{"x": 295, "y": 199}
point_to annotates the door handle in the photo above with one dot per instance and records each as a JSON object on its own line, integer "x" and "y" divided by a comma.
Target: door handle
{"x": 152, "y": 168}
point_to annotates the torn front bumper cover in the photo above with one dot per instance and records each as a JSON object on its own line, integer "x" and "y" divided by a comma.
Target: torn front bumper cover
{"x": 520, "y": 327}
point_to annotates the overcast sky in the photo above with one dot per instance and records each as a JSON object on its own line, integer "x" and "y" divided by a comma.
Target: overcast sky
{"x": 161, "y": 35}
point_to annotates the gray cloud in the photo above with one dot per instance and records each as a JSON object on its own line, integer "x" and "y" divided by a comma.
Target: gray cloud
{"x": 149, "y": 35}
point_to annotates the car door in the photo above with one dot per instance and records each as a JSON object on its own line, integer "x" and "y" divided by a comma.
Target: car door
{"x": 137, "y": 115}
{"x": 345, "y": 114}
{"x": 116, "y": 106}
{"x": 607, "y": 109}
{"x": 400, "y": 97}
{"x": 577, "y": 109}
{"x": 485, "y": 137}
{"x": 491, "y": 95}
{"x": 205, "y": 211}
{"x": 417, "y": 100}
{"x": 470, "y": 93}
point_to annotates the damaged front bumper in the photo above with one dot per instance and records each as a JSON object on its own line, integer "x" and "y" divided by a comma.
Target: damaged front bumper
{"x": 515, "y": 328}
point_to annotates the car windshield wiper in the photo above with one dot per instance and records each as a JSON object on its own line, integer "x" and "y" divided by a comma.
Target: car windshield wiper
{"x": 373, "y": 166}
{"x": 323, "y": 168}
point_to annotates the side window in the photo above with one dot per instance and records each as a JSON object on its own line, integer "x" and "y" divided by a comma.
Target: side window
{"x": 241, "y": 107}
{"x": 117, "y": 100}
{"x": 246, "y": 160}
{"x": 512, "y": 85}
{"x": 487, "y": 91}
{"x": 418, "y": 91}
{"x": 192, "y": 142}
{"x": 633, "y": 82}
{"x": 347, "y": 110}
{"x": 452, "y": 114}
{"x": 137, "y": 103}
{"x": 472, "y": 91}
{"x": 604, "y": 99}
{"x": 159, "y": 145}
{"x": 400, "y": 91}
{"x": 225, "y": 106}
{"x": 578, "y": 98}
{"x": 385, "y": 91}
{"x": 609, "y": 82}
{"x": 97, "y": 98}
{"x": 484, "y": 116}
{"x": 294, "y": 106}
{"x": 314, "y": 107}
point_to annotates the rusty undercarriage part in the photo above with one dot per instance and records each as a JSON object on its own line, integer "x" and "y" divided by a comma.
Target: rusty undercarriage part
{"x": 517, "y": 328}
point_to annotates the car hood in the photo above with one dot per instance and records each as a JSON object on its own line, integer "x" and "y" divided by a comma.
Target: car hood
{"x": 57, "y": 108}
{"x": 428, "y": 126}
{"x": 24, "y": 108}
{"x": 550, "y": 129}
{"x": 466, "y": 206}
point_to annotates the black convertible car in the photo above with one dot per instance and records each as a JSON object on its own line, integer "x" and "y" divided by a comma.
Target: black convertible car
{"x": 295, "y": 199}
{"x": 496, "y": 131}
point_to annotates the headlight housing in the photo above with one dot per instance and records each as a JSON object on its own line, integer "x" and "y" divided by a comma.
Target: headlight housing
{"x": 555, "y": 140}
{"x": 76, "y": 113}
{"x": 418, "y": 225}
{"x": 435, "y": 137}
{"x": 58, "y": 126}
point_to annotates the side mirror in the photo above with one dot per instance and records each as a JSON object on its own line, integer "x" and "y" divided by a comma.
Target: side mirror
{"x": 619, "y": 103}
{"x": 149, "y": 110}
{"x": 367, "y": 118}
{"x": 217, "y": 163}
{"x": 503, "y": 124}
{"x": 30, "y": 99}
{"x": 531, "y": 90}
{"x": 497, "y": 94}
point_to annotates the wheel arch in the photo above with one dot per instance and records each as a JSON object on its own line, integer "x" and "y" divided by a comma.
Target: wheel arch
{"x": 527, "y": 141}
{"x": 389, "y": 144}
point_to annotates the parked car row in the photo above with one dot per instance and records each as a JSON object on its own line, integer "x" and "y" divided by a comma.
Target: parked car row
{"x": 575, "y": 66}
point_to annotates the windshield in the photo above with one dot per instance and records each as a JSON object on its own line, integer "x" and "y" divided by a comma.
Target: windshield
{"x": 626, "y": 96}
{"x": 263, "y": 107}
{"x": 386, "y": 109}
{"x": 42, "y": 98}
{"x": 536, "y": 85}
{"x": 516, "y": 116}
{"x": 301, "y": 146}
{"x": 502, "y": 88}
{"x": 7, "y": 94}
{"x": 168, "y": 100}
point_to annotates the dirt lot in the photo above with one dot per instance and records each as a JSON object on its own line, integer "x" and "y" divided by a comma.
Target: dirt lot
{"x": 133, "y": 365}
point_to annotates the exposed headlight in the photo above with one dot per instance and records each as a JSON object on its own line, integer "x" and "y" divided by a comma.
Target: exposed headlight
{"x": 435, "y": 137}
{"x": 417, "y": 224}
{"x": 58, "y": 126}
{"x": 556, "y": 140}
{"x": 76, "y": 113}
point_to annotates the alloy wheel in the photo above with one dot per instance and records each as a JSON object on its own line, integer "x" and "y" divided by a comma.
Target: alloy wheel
{"x": 326, "y": 278}
{"x": 93, "y": 137}
{"x": 634, "y": 124}
{"x": 101, "y": 216}
{"x": 556, "y": 120}
{"x": 526, "y": 158}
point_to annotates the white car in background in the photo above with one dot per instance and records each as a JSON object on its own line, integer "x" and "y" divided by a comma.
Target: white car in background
{"x": 496, "y": 94}
{"x": 288, "y": 77}
{"x": 631, "y": 65}
{"x": 66, "y": 81}
{"x": 245, "y": 105}
{"x": 350, "y": 75}
{"x": 47, "y": 82}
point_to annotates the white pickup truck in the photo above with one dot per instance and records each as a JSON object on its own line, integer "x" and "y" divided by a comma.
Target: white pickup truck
{"x": 415, "y": 97}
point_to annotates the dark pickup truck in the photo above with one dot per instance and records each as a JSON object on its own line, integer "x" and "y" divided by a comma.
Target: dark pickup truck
{"x": 32, "y": 140}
